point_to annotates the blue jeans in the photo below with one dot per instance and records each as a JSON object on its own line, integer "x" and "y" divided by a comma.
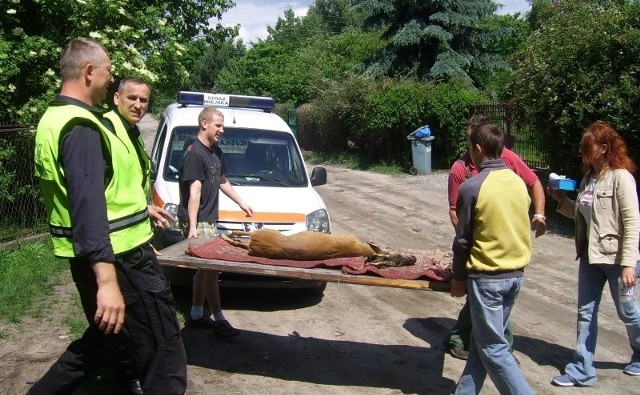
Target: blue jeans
{"x": 460, "y": 335}
{"x": 591, "y": 280}
{"x": 491, "y": 300}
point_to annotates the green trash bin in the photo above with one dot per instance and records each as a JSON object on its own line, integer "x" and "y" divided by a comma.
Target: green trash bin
{"x": 421, "y": 150}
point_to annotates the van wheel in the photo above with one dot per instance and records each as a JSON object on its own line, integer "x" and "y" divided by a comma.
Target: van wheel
{"x": 413, "y": 171}
{"x": 315, "y": 291}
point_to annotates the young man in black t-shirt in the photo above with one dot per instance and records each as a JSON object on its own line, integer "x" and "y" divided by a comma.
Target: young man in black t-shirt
{"x": 202, "y": 175}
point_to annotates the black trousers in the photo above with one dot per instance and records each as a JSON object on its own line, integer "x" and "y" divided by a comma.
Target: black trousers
{"x": 151, "y": 334}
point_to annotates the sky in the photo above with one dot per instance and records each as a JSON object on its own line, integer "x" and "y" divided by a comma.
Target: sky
{"x": 254, "y": 16}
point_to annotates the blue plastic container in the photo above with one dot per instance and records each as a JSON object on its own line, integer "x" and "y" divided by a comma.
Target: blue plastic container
{"x": 565, "y": 184}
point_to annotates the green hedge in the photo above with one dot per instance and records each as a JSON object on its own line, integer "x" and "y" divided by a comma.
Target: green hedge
{"x": 373, "y": 118}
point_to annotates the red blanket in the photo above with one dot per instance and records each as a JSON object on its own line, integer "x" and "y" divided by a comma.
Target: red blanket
{"x": 430, "y": 265}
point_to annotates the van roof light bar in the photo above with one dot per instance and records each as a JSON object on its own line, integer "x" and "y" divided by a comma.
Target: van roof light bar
{"x": 221, "y": 100}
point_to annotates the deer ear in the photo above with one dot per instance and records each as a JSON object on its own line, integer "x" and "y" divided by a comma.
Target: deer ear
{"x": 375, "y": 247}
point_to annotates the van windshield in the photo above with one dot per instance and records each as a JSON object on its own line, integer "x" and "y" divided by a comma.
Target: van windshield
{"x": 252, "y": 157}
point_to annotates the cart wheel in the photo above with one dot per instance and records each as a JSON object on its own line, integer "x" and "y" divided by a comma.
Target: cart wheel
{"x": 413, "y": 171}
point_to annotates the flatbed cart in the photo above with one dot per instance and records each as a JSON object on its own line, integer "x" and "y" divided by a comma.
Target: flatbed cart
{"x": 175, "y": 256}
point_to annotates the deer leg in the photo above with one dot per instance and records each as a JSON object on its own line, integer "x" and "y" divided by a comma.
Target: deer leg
{"x": 381, "y": 255}
{"x": 234, "y": 242}
{"x": 375, "y": 247}
{"x": 239, "y": 233}
{"x": 386, "y": 258}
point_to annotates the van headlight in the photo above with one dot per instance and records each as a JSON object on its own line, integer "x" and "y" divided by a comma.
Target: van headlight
{"x": 173, "y": 210}
{"x": 318, "y": 221}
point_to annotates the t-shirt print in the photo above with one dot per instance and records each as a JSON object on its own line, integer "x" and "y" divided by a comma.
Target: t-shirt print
{"x": 215, "y": 173}
{"x": 587, "y": 196}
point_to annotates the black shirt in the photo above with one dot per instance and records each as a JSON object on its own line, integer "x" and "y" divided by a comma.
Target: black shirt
{"x": 206, "y": 165}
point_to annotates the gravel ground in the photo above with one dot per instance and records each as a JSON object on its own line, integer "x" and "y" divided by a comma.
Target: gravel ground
{"x": 364, "y": 339}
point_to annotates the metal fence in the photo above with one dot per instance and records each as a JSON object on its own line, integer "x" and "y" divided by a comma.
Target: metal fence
{"x": 22, "y": 211}
{"x": 520, "y": 138}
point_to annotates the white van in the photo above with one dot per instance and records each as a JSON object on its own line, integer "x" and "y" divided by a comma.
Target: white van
{"x": 264, "y": 165}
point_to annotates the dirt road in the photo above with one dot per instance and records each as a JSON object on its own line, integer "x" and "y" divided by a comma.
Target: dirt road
{"x": 366, "y": 339}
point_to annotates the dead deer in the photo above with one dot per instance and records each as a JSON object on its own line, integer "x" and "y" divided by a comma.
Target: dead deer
{"x": 310, "y": 246}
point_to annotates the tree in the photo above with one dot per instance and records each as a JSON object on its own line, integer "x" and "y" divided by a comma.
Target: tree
{"x": 293, "y": 32}
{"x": 434, "y": 40}
{"x": 146, "y": 38}
{"x": 208, "y": 60}
{"x": 579, "y": 66}
{"x": 495, "y": 83}
{"x": 333, "y": 58}
{"x": 335, "y": 15}
{"x": 298, "y": 59}
{"x": 267, "y": 69}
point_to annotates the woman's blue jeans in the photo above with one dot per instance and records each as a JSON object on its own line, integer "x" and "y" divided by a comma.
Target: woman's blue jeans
{"x": 591, "y": 280}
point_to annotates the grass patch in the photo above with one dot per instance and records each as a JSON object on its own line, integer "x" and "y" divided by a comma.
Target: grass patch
{"x": 352, "y": 161}
{"x": 8, "y": 231}
{"x": 75, "y": 319}
{"x": 27, "y": 274}
{"x": 12, "y": 229}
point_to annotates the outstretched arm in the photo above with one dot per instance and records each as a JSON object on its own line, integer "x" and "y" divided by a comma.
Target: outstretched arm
{"x": 227, "y": 189}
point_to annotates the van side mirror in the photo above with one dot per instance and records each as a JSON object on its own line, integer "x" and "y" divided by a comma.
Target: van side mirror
{"x": 318, "y": 176}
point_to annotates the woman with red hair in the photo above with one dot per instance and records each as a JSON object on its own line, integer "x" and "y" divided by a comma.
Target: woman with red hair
{"x": 607, "y": 230}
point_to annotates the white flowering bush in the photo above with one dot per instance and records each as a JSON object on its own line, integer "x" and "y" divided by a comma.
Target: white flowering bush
{"x": 145, "y": 38}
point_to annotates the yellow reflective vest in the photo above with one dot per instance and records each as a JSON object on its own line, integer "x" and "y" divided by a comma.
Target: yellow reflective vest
{"x": 145, "y": 162}
{"x": 127, "y": 213}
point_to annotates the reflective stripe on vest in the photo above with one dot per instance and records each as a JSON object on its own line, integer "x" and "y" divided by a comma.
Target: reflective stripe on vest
{"x": 59, "y": 231}
{"x": 128, "y": 221}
